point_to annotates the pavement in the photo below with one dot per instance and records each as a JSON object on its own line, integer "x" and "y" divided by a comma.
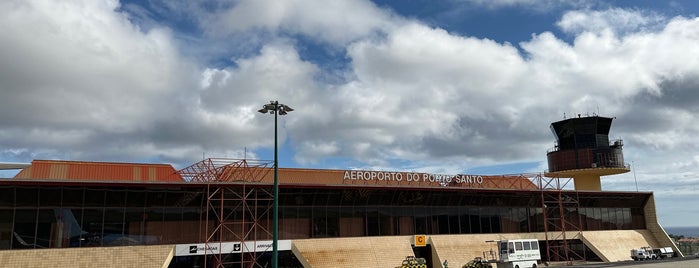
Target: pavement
{"x": 686, "y": 262}
{"x": 682, "y": 262}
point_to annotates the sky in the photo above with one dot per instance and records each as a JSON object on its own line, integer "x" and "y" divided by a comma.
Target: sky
{"x": 449, "y": 87}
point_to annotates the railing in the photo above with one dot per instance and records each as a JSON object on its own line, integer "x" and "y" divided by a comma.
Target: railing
{"x": 586, "y": 158}
{"x": 618, "y": 143}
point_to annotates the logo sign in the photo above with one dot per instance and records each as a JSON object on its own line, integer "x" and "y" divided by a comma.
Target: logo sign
{"x": 420, "y": 241}
{"x": 229, "y": 247}
{"x": 442, "y": 179}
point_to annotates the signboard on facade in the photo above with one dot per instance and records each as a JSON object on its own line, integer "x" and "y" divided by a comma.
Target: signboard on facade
{"x": 229, "y": 247}
{"x": 411, "y": 177}
{"x": 420, "y": 240}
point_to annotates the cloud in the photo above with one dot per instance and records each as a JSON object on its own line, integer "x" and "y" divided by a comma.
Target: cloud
{"x": 88, "y": 84}
{"x": 277, "y": 73}
{"x": 71, "y": 69}
{"x": 69, "y": 76}
{"x": 231, "y": 96}
{"x": 334, "y": 22}
{"x": 536, "y": 5}
{"x": 617, "y": 20}
{"x": 418, "y": 88}
{"x": 422, "y": 94}
{"x": 91, "y": 84}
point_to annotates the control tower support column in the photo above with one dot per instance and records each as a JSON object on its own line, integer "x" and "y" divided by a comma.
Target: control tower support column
{"x": 587, "y": 182}
{"x": 583, "y": 152}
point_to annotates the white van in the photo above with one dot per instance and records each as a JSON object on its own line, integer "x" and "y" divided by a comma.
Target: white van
{"x": 519, "y": 253}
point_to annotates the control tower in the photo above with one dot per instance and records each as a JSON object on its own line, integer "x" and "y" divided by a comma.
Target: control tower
{"x": 583, "y": 152}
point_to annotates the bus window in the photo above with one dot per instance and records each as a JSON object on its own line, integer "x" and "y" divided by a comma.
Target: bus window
{"x": 526, "y": 245}
{"x": 503, "y": 247}
{"x": 511, "y": 247}
{"x": 535, "y": 245}
{"x": 518, "y": 246}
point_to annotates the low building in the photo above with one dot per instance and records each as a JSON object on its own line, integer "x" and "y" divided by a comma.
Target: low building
{"x": 219, "y": 213}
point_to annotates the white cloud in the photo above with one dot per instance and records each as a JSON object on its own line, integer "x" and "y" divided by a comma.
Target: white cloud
{"x": 335, "y": 22}
{"x": 276, "y": 73}
{"x": 421, "y": 86}
{"x": 75, "y": 69}
{"x": 617, "y": 20}
{"x": 422, "y": 93}
{"x": 537, "y": 5}
{"x": 620, "y": 66}
{"x": 312, "y": 151}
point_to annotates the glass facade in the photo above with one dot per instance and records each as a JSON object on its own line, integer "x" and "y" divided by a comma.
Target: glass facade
{"x": 76, "y": 216}
{"x": 55, "y": 216}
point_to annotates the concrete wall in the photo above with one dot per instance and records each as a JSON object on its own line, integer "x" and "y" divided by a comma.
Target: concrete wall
{"x": 117, "y": 257}
{"x": 654, "y": 227}
{"x": 616, "y": 245}
{"x": 352, "y": 252}
{"x": 460, "y": 249}
{"x": 610, "y": 246}
{"x": 376, "y": 251}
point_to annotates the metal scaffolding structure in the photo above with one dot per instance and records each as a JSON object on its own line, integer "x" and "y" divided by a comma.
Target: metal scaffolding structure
{"x": 562, "y": 220}
{"x": 244, "y": 214}
{"x": 233, "y": 214}
{"x": 226, "y": 170}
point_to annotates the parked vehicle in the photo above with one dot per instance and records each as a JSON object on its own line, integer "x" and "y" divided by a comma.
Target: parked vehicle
{"x": 477, "y": 262}
{"x": 665, "y": 252}
{"x": 643, "y": 253}
{"x": 519, "y": 253}
{"x": 412, "y": 262}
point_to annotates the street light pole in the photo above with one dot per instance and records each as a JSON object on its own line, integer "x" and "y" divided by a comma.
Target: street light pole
{"x": 274, "y": 107}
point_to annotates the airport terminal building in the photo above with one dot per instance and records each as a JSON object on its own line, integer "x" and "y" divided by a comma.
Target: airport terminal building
{"x": 218, "y": 212}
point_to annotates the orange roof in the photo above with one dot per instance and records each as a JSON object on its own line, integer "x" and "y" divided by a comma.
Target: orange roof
{"x": 135, "y": 172}
{"x": 98, "y": 171}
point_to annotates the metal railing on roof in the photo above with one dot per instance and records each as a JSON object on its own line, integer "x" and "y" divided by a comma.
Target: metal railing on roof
{"x": 226, "y": 170}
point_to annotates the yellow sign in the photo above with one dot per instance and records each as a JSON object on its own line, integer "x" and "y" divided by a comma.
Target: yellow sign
{"x": 420, "y": 241}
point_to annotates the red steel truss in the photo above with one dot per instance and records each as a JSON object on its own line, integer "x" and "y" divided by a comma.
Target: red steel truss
{"x": 234, "y": 214}
{"x": 243, "y": 214}
{"x": 226, "y": 170}
{"x": 561, "y": 213}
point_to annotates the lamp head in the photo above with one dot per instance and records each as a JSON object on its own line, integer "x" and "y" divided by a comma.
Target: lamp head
{"x": 270, "y": 106}
{"x": 275, "y": 107}
{"x": 286, "y": 108}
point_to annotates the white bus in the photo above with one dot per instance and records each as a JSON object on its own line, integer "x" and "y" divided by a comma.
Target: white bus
{"x": 519, "y": 253}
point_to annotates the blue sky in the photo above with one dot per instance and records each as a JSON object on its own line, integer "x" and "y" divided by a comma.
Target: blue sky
{"x": 458, "y": 86}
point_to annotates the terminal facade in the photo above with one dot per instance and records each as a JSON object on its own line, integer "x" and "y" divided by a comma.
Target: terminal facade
{"x": 218, "y": 212}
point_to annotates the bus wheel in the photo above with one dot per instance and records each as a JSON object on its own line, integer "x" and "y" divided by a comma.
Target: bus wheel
{"x": 534, "y": 265}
